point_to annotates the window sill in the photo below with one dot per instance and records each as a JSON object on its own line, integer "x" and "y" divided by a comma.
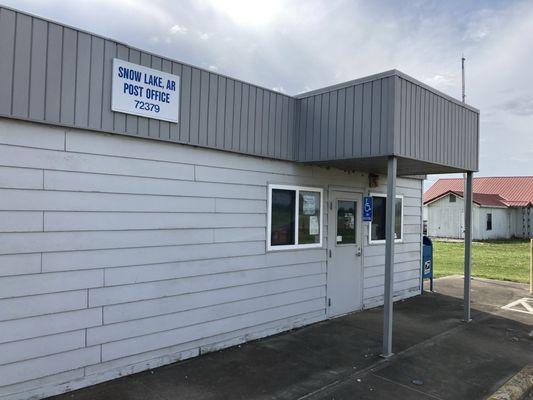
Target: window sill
{"x": 294, "y": 247}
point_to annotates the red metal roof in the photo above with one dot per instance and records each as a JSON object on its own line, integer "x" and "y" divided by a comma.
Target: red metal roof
{"x": 513, "y": 191}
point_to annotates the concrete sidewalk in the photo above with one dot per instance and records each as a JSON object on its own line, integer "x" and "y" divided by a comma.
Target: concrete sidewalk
{"x": 437, "y": 356}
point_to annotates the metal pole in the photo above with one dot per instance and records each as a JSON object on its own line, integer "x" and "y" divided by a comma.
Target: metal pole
{"x": 468, "y": 244}
{"x": 531, "y": 268}
{"x": 389, "y": 255}
{"x": 463, "y": 77}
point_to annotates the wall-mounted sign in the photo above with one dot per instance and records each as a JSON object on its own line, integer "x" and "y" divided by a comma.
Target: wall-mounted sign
{"x": 145, "y": 91}
{"x": 367, "y": 208}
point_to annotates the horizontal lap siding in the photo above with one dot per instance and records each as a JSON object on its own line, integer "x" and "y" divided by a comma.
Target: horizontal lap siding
{"x": 139, "y": 253}
{"x": 55, "y": 74}
{"x": 407, "y": 264}
{"x": 111, "y": 255}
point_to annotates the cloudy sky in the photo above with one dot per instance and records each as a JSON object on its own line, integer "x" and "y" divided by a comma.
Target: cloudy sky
{"x": 295, "y": 46}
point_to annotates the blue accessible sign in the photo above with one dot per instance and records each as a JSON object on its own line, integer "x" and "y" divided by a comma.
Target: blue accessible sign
{"x": 367, "y": 208}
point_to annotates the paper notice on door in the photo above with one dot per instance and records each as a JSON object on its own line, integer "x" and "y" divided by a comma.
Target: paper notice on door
{"x": 314, "y": 228}
{"x": 309, "y": 205}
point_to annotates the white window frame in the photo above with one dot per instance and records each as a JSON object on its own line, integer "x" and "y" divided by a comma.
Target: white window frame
{"x": 297, "y": 189}
{"x": 382, "y": 241}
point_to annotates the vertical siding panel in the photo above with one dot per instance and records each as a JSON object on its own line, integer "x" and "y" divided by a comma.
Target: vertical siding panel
{"x": 68, "y": 79}
{"x": 270, "y": 145}
{"x": 277, "y": 130}
{"x": 332, "y": 127}
{"x": 258, "y": 121}
{"x": 37, "y": 69}
{"x": 357, "y": 149}
{"x": 317, "y": 113}
{"x": 153, "y": 124}
{"x": 164, "y": 126}
{"x": 348, "y": 122}
{"x": 119, "y": 118}
{"x": 265, "y": 133}
{"x": 96, "y": 83}
{"x": 83, "y": 71}
{"x": 174, "y": 129}
{"x": 221, "y": 111}
{"x": 110, "y": 52}
{"x": 384, "y": 97}
{"x": 21, "y": 72}
{"x": 376, "y": 118}
{"x": 423, "y": 131}
{"x": 185, "y": 104}
{"x": 7, "y": 46}
{"x": 195, "y": 106}
{"x": 341, "y": 112}
{"x": 367, "y": 118}
{"x": 143, "y": 123}
{"x": 285, "y": 129}
{"x": 398, "y": 115}
{"x": 252, "y": 100}
{"x": 228, "y": 117}
{"x": 324, "y": 123}
{"x": 236, "y": 131}
{"x": 405, "y": 107}
{"x": 212, "y": 110}
{"x": 204, "y": 103}
{"x": 292, "y": 128}
{"x": 243, "y": 142}
{"x": 53, "y": 73}
{"x": 309, "y": 126}
{"x": 302, "y": 129}
{"x": 415, "y": 117}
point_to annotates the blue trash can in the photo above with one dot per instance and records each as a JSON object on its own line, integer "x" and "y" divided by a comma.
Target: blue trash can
{"x": 427, "y": 263}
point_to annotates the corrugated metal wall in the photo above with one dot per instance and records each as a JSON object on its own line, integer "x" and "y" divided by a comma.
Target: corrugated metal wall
{"x": 348, "y": 122}
{"x": 62, "y": 76}
{"x": 59, "y": 75}
{"x": 434, "y": 128}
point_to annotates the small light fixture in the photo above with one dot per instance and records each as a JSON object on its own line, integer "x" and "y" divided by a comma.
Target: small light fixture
{"x": 373, "y": 180}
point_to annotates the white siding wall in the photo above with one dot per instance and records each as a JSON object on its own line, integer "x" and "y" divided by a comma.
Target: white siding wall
{"x": 501, "y": 223}
{"x": 121, "y": 254}
{"x": 445, "y": 220}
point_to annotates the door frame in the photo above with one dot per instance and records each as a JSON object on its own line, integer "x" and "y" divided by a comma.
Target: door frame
{"x": 332, "y": 218}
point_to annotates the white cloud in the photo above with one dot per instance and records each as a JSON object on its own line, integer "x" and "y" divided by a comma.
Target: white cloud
{"x": 178, "y": 29}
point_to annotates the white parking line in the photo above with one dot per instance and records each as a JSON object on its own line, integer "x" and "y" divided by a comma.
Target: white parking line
{"x": 524, "y": 305}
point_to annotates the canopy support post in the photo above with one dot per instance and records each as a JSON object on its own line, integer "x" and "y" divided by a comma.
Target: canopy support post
{"x": 468, "y": 244}
{"x": 389, "y": 256}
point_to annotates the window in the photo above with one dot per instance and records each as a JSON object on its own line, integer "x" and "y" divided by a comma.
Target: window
{"x": 377, "y": 226}
{"x": 346, "y": 221}
{"x": 452, "y": 198}
{"x": 489, "y": 221}
{"x": 294, "y": 217}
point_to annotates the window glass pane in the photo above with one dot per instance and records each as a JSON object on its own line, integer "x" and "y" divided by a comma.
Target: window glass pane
{"x": 378, "y": 218}
{"x": 346, "y": 221}
{"x": 398, "y": 219}
{"x": 283, "y": 217}
{"x": 489, "y": 221}
{"x": 309, "y": 217}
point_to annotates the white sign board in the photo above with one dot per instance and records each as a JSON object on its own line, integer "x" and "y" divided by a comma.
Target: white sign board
{"x": 145, "y": 91}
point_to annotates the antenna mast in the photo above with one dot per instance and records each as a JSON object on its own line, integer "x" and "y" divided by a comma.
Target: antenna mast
{"x": 463, "y": 74}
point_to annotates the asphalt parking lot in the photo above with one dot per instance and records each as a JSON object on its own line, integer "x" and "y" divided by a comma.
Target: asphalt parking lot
{"x": 436, "y": 355}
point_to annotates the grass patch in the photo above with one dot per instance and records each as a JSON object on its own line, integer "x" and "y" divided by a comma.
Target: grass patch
{"x": 503, "y": 260}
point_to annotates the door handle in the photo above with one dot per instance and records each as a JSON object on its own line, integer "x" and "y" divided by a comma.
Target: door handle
{"x": 358, "y": 252}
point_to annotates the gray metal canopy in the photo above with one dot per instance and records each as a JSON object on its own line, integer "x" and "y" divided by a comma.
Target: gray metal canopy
{"x": 385, "y": 123}
{"x": 358, "y": 124}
